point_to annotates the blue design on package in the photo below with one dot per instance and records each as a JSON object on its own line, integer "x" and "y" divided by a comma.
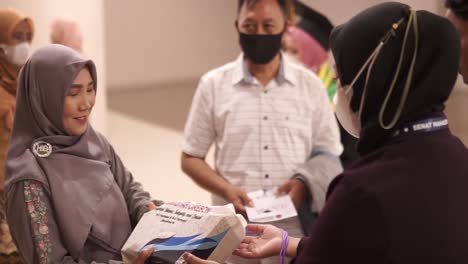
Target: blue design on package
{"x": 170, "y": 249}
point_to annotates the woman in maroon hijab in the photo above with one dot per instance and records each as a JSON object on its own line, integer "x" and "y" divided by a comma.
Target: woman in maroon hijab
{"x": 69, "y": 198}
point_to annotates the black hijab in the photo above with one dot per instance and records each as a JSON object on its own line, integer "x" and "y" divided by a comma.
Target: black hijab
{"x": 314, "y": 23}
{"x": 434, "y": 74}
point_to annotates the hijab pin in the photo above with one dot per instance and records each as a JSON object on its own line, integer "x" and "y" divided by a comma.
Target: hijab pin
{"x": 42, "y": 149}
{"x": 394, "y": 28}
{"x": 392, "y": 31}
{"x": 396, "y": 25}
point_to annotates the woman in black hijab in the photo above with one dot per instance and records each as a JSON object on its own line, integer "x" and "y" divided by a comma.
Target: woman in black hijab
{"x": 405, "y": 200}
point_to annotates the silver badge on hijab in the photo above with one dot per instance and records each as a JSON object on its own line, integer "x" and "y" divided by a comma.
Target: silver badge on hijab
{"x": 42, "y": 149}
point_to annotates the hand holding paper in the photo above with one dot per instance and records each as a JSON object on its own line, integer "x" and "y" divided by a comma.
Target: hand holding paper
{"x": 269, "y": 207}
{"x": 296, "y": 190}
{"x": 238, "y": 198}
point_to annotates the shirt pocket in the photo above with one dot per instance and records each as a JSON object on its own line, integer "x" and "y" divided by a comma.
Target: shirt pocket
{"x": 294, "y": 130}
{"x": 294, "y": 117}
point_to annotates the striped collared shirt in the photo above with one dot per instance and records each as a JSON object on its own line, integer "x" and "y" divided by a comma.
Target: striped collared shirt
{"x": 264, "y": 134}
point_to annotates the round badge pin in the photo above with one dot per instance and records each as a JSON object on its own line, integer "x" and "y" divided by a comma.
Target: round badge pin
{"x": 42, "y": 149}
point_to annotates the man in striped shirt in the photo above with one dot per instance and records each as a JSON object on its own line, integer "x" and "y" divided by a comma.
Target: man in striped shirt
{"x": 270, "y": 121}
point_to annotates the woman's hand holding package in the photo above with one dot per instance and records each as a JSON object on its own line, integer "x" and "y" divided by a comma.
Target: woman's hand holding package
{"x": 151, "y": 206}
{"x": 143, "y": 256}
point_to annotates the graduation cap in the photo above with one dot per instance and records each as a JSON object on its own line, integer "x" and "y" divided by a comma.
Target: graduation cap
{"x": 314, "y": 23}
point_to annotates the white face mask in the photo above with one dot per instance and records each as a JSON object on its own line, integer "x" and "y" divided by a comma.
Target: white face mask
{"x": 350, "y": 120}
{"x": 17, "y": 54}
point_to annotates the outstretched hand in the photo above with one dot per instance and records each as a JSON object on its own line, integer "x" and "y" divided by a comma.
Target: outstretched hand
{"x": 267, "y": 242}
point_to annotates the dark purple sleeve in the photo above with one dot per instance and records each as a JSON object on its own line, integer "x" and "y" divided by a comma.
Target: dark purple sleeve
{"x": 350, "y": 229}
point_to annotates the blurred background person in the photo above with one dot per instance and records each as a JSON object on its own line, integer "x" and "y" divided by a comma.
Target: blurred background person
{"x": 16, "y": 34}
{"x": 315, "y": 23}
{"x": 66, "y": 32}
{"x": 458, "y": 14}
{"x": 308, "y": 43}
{"x": 302, "y": 47}
{"x": 457, "y": 108}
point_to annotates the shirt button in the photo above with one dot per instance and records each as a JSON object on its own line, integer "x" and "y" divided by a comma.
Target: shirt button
{"x": 267, "y": 176}
{"x": 265, "y": 147}
{"x": 265, "y": 91}
{"x": 265, "y": 118}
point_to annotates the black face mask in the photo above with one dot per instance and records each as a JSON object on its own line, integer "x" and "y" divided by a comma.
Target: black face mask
{"x": 260, "y": 49}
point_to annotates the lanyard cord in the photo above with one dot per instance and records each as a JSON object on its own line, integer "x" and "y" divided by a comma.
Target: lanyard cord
{"x": 414, "y": 22}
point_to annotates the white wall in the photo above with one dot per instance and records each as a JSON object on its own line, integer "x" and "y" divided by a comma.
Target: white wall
{"x": 151, "y": 42}
{"x": 155, "y": 41}
{"x": 89, "y": 14}
{"x": 340, "y": 11}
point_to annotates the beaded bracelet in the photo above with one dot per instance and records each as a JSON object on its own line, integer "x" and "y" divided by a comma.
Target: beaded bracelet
{"x": 284, "y": 246}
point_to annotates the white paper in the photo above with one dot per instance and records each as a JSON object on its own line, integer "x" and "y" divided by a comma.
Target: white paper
{"x": 269, "y": 207}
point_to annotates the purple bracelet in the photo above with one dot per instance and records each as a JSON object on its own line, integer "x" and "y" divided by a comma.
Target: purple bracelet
{"x": 284, "y": 246}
